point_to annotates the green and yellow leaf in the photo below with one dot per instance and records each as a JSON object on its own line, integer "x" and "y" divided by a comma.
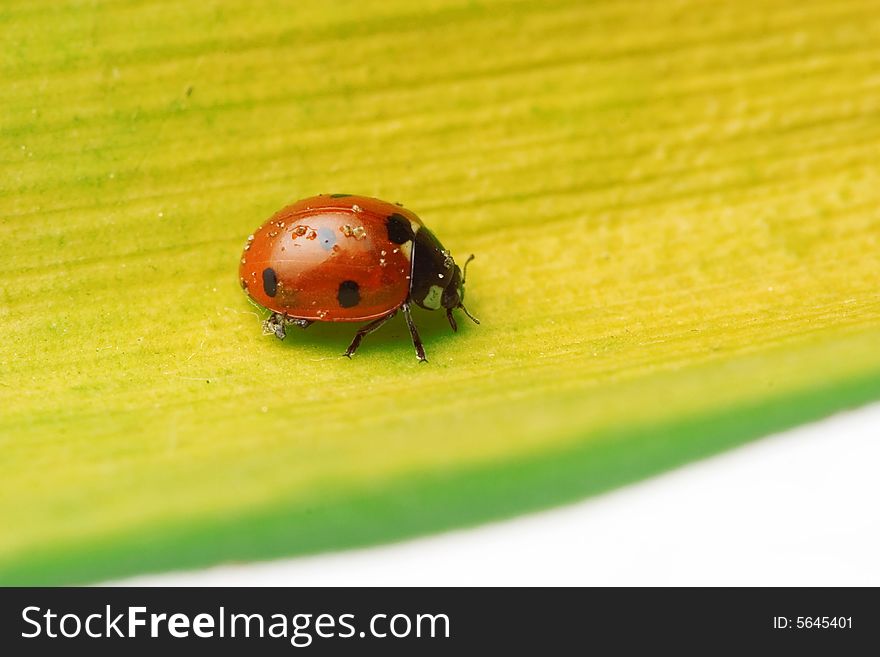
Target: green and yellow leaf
{"x": 675, "y": 208}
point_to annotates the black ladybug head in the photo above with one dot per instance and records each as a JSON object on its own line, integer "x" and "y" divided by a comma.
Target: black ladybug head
{"x": 437, "y": 282}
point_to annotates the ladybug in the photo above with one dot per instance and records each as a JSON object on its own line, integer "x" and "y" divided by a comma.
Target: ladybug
{"x": 346, "y": 258}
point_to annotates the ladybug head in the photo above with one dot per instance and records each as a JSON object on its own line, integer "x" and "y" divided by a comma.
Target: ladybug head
{"x": 453, "y": 295}
{"x": 437, "y": 282}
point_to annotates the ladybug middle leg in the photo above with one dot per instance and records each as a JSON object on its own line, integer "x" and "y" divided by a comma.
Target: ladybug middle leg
{"x": 366, "y": 330}
{"x": 414, "y": 332}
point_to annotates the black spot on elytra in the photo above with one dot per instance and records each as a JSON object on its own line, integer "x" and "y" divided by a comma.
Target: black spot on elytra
{"x": 270, "y": 281}
{"x": 339, "y": 195}
{"x": 399, "y": 228}
{"x": 349, "y": 294}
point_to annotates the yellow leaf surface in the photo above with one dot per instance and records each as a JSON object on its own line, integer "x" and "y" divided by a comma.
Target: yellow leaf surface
{"x": 675, "y": 209}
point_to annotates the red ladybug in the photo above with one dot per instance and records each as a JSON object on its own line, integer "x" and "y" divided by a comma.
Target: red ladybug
{"x": 345, "y": 258}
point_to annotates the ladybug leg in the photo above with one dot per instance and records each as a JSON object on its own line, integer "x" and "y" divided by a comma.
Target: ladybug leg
{"x": 275, "y": 326}
{"x": 414, "y": 332}
{"x": 277, "y": 321}
{"x": 365, "y": 331}
{"x": 451, "y": 319}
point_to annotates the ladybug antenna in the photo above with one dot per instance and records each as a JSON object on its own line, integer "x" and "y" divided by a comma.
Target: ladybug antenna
{"x": 464, "y": 272}
{"x": 465, "y": 310}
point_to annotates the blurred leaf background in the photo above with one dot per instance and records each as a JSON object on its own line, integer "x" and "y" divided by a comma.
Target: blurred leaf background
{"x": 675, "y": 208}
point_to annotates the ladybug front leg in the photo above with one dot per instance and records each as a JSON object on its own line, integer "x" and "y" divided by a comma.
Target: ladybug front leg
{"x": 414, "y": 332}
{"x": 366, "y": 330}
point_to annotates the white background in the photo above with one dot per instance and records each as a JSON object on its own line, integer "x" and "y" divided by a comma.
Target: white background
{"x": 797, "y": 508}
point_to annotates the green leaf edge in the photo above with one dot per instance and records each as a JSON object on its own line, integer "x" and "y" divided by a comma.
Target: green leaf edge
{"x": 431, "y": 501}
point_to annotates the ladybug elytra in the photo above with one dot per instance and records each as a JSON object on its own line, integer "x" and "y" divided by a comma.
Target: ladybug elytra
{"x": 346, "y": 258}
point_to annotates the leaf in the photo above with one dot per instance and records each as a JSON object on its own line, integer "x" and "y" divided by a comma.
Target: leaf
{"x": 675, "y": 209}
